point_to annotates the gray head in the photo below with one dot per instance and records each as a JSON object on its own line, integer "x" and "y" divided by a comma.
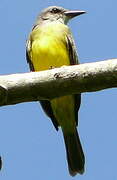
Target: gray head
{"x": 56, "y": 13}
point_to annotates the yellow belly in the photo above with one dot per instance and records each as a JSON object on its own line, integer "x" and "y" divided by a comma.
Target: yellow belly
{"x": 64, "y": 110}
{"x": 50, "y": 51}
{"x": 47, "y": 53}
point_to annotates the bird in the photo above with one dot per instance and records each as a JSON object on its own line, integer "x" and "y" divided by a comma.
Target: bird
{"x": 49, "y": 45}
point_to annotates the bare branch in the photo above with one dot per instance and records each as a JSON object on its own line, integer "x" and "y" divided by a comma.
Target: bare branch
{"x": 34, "y": 86}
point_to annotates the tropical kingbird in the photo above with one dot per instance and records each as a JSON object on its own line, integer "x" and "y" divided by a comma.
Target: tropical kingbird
{"x": 51, "y": 45}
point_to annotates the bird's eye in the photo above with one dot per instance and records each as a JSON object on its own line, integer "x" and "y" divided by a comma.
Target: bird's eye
{"x": 55, "y": 10}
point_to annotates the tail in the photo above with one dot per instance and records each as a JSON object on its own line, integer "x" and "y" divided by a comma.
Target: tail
{"x": 75, "y": 155}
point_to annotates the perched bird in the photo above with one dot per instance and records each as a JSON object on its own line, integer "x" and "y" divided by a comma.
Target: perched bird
{"x": 50, "y": 44}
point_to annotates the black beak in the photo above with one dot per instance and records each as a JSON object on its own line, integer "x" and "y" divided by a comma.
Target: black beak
{"x": 72, "y": 14}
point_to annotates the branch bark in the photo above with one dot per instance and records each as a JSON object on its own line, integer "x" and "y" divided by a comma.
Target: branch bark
{"x": 34, "y": 86}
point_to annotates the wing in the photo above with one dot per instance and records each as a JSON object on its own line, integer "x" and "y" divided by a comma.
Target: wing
{"x": 44, "y": 103}
{"x": 28, "y": 52}
{"x": 73, "y": 60}
{"x": 49, "y": 112}
{"x": 72, "y": 49}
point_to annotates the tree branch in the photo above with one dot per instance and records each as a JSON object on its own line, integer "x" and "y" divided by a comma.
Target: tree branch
{"x": 34, "y": 86}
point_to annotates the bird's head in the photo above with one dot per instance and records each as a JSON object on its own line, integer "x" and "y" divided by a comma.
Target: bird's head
{"x": 55, "y": 13}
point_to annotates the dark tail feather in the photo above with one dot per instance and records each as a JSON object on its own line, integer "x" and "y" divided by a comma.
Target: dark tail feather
{"x": 75, "y": 155}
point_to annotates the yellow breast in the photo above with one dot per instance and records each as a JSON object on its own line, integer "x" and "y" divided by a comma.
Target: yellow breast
{"x": 49, "y": 47}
